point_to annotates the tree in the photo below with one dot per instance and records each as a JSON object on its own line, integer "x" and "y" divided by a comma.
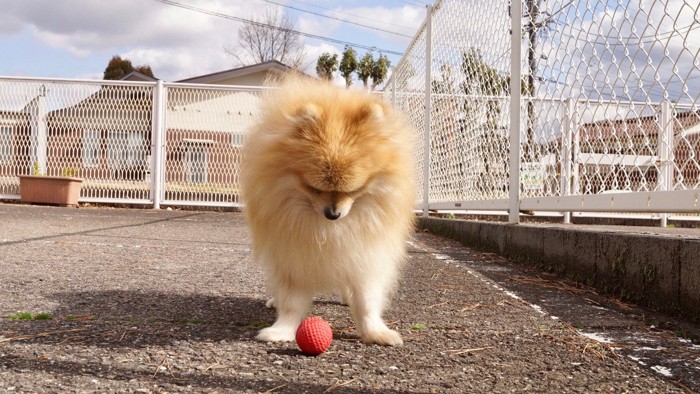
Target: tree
{"x": 446, "y": 82}
{"x": 118, "y": 68}
{"x": 484, "y": 87}
{"x": 480, "y": 79}
{"x": 380, "y": 69}
{"x": 145, "y": 70}
{"x": 404, "y": 76}
{"x": 326, "y": 65}
{"x": 364, "y": 68}
{"x": 269, "y": 38}
{"x": 348, "y": 65}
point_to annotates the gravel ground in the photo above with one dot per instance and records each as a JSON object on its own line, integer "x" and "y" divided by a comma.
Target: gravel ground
{"x": 169, "y": 301}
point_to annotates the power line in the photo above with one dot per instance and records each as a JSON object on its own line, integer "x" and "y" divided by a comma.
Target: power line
{"x": 412, "y": 2}
{"x": 337, "y": 19}
{"x": 353, "y": 15}
{"x": 251, "y": 22}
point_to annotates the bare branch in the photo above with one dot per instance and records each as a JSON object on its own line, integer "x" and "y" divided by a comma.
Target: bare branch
{"x": 258, "y": 43}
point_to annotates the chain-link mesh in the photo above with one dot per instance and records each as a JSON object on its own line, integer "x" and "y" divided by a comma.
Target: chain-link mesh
{"x": 468, "y": 131}
{"x": 609, "y": 99}
{"x": 206, "y": 128}
{"x": 107, "y": 133}
{"x": 469, "y": 107}
{"x": 629, "y": 71}
{"x": 610, "y": 105}
{"x": 408, "y": 95}
{"x": 98, "y": 131}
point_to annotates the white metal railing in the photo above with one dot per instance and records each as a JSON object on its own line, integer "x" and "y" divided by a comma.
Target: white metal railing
{"x": 132, "y": 142}
{"x": 604, "y": 118}
{"x": 607, "y": 119}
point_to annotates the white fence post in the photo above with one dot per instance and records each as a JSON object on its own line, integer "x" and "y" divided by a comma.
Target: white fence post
{"x": 569, "y": 125}
{"x": 428, "y": 110}
{"x": 393, "y": 88}
{"x": 515, "y": 77}
{"x": 157, "y": 143}
{"x": 665, "y": 152}
{"x": 39, "y": 136}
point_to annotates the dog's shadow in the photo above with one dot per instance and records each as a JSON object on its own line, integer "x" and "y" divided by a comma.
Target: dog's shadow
{"x": 119, "y": 318}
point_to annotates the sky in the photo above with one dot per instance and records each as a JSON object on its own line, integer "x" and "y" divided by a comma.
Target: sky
{"x": 594, "y": 48}
{"x": 77, "y": 38}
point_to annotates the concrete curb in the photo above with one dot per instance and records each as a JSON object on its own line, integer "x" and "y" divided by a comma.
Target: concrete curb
{"x": 659, "y": 271}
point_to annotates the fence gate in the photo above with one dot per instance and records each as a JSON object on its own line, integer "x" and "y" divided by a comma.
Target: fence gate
{"x": 131, "y": 142}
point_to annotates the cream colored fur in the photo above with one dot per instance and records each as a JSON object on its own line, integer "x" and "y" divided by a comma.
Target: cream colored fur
{"x": 328, "y": 185}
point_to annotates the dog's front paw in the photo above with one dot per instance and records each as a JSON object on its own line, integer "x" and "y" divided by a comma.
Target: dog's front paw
{"x": 385, "y": 337}
{"x": 270, "y": 303}
{"x": 276, "y": 334}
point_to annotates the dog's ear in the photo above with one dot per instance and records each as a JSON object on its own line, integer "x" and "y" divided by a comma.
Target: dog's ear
{"x": 308, "y": 113}
{"x": 371, "y": 111}
{"x": 305, "y": 120}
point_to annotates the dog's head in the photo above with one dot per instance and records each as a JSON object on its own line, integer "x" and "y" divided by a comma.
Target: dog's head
{"x": 339, "y": 152}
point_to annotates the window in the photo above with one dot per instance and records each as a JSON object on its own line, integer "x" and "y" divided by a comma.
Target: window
{"x": 91, "y": 148}
{"x": 197, "y": 163}
{"x": 7, "y": 146}
{"x": 125, "y": 150}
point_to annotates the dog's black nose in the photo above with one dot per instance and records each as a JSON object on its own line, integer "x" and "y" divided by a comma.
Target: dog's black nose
{"x": 331, "y": 213}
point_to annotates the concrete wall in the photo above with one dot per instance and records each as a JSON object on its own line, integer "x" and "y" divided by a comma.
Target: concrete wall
{"x": 661, "y": 271}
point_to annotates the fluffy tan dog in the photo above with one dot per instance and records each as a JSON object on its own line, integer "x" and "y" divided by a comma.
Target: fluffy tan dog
{"x": 328, "y": 182}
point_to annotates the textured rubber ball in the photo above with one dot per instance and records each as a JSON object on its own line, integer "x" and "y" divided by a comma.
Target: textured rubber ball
{"x": 314, "y": 336}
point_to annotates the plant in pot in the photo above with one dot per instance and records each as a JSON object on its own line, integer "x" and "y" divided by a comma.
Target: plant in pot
{"x": 61, "y": 190}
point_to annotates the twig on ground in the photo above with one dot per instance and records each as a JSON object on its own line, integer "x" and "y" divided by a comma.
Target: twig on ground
{"x": 337, "y": 384}
{"x": 439, "y": 304}
{"x": 67, "y": 339}
{"x": 43, "y": 334}
{"x": 275, "y": 388}
{"x": 212, "y": 366}
{"x": 478, "y": 305}
{"x": 573, "y": 288}
{"x": 621, "y": 304}
{"x": 685, "y": 388}
{"x": 506, "y": 302}
{"x": 165, "y": 359}
{"x": 578, "y": 341}
{"x": 461, "y": 351}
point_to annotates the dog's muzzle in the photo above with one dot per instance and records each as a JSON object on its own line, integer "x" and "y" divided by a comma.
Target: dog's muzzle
{"x": 331, "y": 213}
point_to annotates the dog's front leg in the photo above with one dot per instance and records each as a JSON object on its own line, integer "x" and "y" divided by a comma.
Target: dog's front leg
{"x": 292, "y": 307}
{"x": 366, "y": 305}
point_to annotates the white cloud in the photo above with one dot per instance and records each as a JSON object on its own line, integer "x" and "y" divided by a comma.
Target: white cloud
{"x": 177, "y": 43}
{"x": 405, "y": 20}
{"x": 317, "y": 25}
{"x": 173, "y": 41}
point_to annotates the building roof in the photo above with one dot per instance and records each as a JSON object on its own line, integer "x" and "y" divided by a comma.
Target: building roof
{"x": 271, "y": 66}
{"x": 137, "y": 76}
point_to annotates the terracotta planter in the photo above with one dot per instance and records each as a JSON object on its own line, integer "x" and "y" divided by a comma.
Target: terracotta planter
{"x": 55, "y": 190}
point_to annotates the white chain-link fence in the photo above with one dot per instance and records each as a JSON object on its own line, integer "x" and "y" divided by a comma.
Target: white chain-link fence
{"x": 131, "y": 142}
{"x": 608, "y": 119}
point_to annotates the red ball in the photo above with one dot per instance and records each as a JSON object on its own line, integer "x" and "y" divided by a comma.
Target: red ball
{"x": 314, "y": 336}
